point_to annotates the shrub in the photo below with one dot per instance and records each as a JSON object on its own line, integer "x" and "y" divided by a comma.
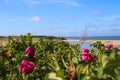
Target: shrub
{"x": 49, "y": 59}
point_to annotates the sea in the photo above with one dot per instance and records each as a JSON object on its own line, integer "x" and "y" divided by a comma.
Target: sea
{"x": 96, "y": 38}
{"x": 87, "y": 44}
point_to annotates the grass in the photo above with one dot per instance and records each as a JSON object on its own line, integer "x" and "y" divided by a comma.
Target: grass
{"x": 116, "y": 43}
{"x": 3, "y": 41}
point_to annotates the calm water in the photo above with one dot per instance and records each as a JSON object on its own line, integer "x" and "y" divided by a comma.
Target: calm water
{"x": 82, "y": 45}
{"x": 87, "y": 44}
{"x": 96, "y": 38}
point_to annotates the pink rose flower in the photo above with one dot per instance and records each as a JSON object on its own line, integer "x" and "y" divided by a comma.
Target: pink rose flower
{"x": 29, "y": 52}
{"x": 108, "y": 47}
{"x": 85, "y": 51}
{"x": 87, "y": 57}
{"x": 26, "y": 67}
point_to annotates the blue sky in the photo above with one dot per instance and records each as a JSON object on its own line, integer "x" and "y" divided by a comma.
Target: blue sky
{"x": 60, "y": 17}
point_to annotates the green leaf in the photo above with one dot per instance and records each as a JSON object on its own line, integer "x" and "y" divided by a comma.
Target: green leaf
{"x": 98, "y": 72}
{"x": 113, "y": 53}
{"x": 60, "y": 73}
{"x": 83, "y": 76}
{"x": 75, "y": 60}
{"x": 52, "y": 76}
{"x": 105, "y": 60}
{"x": 117, "y": 71}
{"x": 110, "y": 67}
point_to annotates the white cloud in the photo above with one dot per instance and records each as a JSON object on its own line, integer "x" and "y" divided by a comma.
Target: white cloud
{"x": 12, "y": 19}
{"x": 113, "y": 25}
{"x": 31, "y": 3}
{"x": 8, "y": 1}
{"x": 64, "y": 2}
{"x": 113, "y": 18}
{"x": 34, "y": 19}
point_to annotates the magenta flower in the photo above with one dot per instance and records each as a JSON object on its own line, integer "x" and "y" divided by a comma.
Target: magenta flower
{"x": 29, "y": 52}
{"x": 108, "y": 47}
{"x": 26, "y": 67}
{"x": 86, "y": 55}
{"x": 85, "y": 51}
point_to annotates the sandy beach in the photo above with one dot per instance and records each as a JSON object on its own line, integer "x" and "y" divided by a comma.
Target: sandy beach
{"x": 116, "y": 43}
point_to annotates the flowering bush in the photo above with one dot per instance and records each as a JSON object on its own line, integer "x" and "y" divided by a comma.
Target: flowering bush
{"x": 47, "y": 59}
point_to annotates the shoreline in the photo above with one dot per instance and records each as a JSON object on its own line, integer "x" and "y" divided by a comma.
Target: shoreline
{"x": 116, "y": 43}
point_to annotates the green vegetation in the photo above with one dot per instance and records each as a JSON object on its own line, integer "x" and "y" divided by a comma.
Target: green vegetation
{"x": 53, "y": 59}
{"x": 4, "y": 39}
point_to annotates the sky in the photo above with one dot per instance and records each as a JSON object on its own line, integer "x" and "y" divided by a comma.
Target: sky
{"x": 60, "y": 17}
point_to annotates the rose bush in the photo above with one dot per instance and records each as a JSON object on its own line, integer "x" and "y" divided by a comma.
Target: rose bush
{"x": 49, "y": 59}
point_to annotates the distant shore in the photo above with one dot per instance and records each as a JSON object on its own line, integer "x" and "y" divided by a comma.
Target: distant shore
{"x": 116, "y": 43}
